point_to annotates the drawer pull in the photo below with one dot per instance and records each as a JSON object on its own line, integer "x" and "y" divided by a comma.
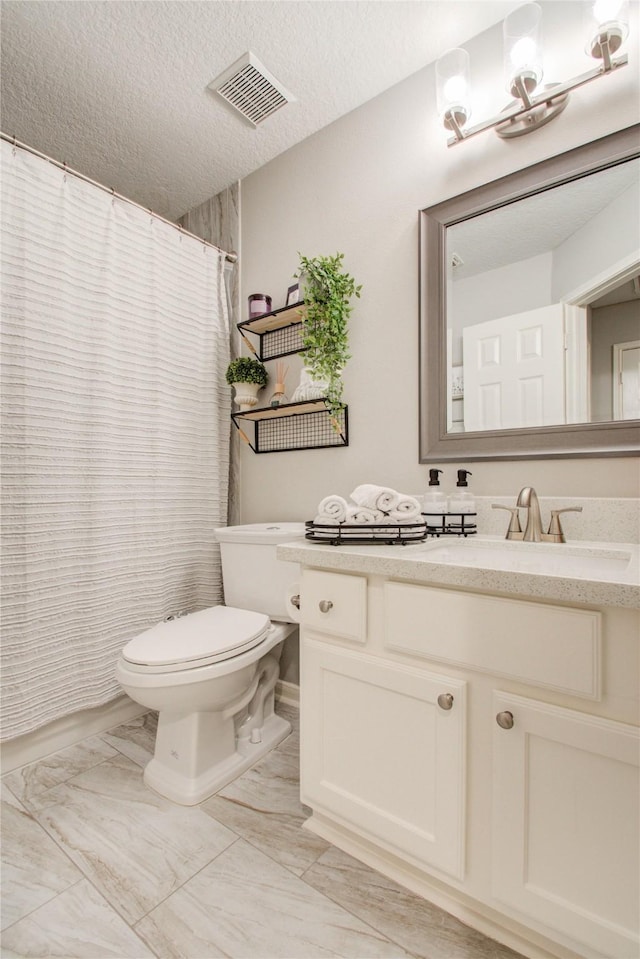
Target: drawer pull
{"x": 325, "y": 605}
{"x": 445, "y": 701}
{"x": 505, "y": 719}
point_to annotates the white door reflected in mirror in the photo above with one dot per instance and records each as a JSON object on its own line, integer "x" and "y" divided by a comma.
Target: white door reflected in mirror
{"x": 514, "y": 371}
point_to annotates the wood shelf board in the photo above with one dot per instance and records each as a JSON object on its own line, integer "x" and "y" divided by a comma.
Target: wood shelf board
{"x": 276, "y": 412}
{"x": 287, "y": 316}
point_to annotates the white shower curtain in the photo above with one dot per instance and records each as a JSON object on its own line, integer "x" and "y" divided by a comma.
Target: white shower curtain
{"x": 115, "y": 434}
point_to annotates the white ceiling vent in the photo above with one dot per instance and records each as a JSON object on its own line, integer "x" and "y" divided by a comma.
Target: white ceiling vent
{"x": 249, "y": 87}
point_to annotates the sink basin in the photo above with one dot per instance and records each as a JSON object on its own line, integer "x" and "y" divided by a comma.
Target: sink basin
{"x": 546, "y": 559}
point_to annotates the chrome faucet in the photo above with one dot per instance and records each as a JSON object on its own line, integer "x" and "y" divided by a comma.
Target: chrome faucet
{"x": 528, "y": 498}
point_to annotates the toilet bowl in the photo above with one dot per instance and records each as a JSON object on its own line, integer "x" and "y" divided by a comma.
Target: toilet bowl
{"x": 211, "y": 675}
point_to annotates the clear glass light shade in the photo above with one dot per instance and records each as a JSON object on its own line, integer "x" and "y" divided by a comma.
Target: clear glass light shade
{"x": 453, "y": 88}
{"x": 523, "y": 48}
{"x": 607, "y": 21}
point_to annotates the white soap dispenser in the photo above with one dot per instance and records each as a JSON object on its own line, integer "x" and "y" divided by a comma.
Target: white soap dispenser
{"x": 434, "y": 500}
{"x": 462, "y": 500}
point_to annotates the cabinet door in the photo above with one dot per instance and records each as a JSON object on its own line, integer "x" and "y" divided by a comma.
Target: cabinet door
{"x": 566, "y": 817}
{"x": 384, "y": 753}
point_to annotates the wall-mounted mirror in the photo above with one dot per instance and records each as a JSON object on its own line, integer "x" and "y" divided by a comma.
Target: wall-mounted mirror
{"x": 530, "y": 311}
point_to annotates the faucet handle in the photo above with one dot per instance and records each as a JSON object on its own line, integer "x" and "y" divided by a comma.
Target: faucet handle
{"x": 556, "y": 533}
{"x": 515, "y": 530}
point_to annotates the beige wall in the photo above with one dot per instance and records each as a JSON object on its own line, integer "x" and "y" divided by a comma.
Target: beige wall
{"x": 618, "y": 323}
{"x": 357, "y": 187}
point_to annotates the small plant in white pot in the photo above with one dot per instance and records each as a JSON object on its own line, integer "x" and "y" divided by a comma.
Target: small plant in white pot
{"x": 328, "y": 290}
{"x": 247, "y": 376}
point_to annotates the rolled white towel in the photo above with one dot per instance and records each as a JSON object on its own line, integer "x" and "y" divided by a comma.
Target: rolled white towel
{"x": 326, "y": 530}
{"x": 408, "y": 510}
{"x": 332, "y": 509}
{"x": 375, "y": 497}
{"x": 401, "y": 519}
{"x": 391, "y": 531}
{"x": 364, "y": 515}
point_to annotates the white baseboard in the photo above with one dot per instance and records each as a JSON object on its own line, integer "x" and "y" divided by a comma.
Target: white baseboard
{"x": 67, "y": 731}
{"x": 73, "y": 729}
{"x": 288, "y": 693}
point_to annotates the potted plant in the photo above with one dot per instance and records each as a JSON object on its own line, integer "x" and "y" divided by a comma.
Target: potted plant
{"x": 328, "y": 290}
{"x": 247, "y": 376}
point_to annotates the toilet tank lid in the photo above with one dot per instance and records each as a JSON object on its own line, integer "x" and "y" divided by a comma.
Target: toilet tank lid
{"x": 213, "y": 631}
{"x": 260, "y": 533}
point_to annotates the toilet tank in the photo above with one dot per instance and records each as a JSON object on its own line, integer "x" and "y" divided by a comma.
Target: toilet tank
{"x": 252, "y": 576}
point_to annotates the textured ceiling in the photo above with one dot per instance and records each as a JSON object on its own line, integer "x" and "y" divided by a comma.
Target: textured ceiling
{"x": 117, "y": 89}
{"x": 537, "y": 224}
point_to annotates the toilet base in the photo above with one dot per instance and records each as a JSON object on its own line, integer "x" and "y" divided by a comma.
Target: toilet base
{"x": 190, "y": 790}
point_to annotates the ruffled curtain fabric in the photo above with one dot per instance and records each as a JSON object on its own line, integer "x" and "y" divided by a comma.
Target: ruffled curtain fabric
{"x": 115, "y": 434}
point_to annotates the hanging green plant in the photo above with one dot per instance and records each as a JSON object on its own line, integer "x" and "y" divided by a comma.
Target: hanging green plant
{"x": 328, "y": 291}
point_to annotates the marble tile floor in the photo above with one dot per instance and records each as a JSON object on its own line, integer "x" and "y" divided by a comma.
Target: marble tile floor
{"x": 96, "y": 865}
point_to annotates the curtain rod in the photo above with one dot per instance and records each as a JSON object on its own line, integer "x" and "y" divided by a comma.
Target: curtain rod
{"x": 230, "y": 257}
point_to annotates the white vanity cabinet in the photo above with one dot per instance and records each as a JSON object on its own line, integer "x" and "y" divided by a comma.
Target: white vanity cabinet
{"x": 566, "y": 822}
{"x": 481, "y": 749}
{"x": 383, "y": 756}
{"x": 384, "y": 742}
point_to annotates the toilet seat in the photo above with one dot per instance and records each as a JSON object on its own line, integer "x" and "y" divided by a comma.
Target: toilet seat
{"x": 208, "y": 636}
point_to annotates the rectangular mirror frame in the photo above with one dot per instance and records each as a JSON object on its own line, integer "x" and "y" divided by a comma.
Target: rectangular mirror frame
{"x": 613, "y": 438}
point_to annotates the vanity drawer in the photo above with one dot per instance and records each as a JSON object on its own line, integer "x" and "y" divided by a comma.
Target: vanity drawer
{"x": 543, "y": 645}
{"x": 334, "y": 603}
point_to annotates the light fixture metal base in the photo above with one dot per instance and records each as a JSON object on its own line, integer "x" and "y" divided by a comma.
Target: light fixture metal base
{"x": 454, "y": 119}
{"x": 536, "y": 116}
{"x": 606, "y": 43}
{"x": 544, "y": 106}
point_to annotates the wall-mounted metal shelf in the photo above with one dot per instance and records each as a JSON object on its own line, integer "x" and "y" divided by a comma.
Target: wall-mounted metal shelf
{"x": 278, "y": 332}
{"x": 293, "y": 426}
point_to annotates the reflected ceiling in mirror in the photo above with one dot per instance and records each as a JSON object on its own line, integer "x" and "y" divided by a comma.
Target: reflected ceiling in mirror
{"x": 530, "y": 311}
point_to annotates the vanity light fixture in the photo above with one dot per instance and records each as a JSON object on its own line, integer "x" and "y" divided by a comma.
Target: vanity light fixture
{"x": 535, "y": 103}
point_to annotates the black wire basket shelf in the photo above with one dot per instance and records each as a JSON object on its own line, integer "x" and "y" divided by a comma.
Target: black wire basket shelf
{"x": 391, "y": 534}
{"x": 450, "y": 524}
{"x": 306, "y": 425}
{"x": 371, "y": 534}
{"x": 279, "y": 333}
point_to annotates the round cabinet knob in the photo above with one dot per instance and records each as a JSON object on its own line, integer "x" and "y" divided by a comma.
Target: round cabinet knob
{"x": 325, "y": 605}
{"x": 445, "y": 701}
{"x": 505, "y": 719}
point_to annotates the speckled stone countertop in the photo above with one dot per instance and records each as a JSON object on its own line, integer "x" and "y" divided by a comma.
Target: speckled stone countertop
{"x": 606, "y": 574}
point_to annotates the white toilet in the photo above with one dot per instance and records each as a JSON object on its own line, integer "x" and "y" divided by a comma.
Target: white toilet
{"x": 211, "y": 675}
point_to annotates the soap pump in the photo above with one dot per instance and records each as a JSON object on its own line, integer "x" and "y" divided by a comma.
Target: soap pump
{"x": 434, "y": 500}
{"x": 462, "y": 500}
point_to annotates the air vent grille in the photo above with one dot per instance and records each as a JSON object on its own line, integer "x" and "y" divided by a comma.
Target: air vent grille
{"x": 251, "y": 89}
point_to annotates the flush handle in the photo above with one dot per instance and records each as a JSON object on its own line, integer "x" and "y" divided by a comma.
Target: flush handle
{"x": 505, "y": 719}
{"x": 445, "y": 701}
{"x": 325, "y": 605}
